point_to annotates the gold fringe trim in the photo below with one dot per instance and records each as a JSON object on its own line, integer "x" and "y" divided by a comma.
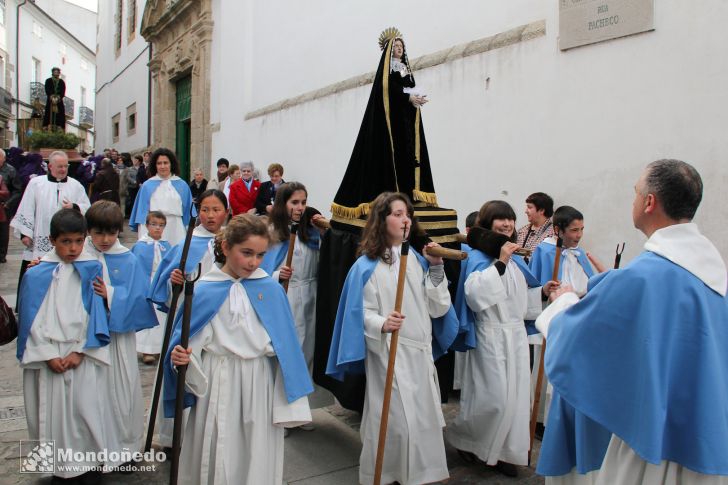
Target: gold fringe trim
{"x": 430, "y": 198}
{"x": 350, "y": 212}
{"x": 351, "y": 222}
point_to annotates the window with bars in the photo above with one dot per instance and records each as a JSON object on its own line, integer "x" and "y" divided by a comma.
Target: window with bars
{"x": 117, "y": 30}
{"x": 131, "y": 19}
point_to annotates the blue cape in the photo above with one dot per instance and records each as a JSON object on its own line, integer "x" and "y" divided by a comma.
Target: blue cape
{"x": 270, "y": 304}
{"x": 348, "y": 346}
{"x": 644, "y": 355}
{"x": 478, "y": 261}
{"x": 542, "y": 262}
{"x": 130, "y": 310}
{"x": 159, "y": 290}
{"x": 276, "y": 254}
{"x": 141, "y": 203}
{"x": 144, "y": 251}
{"x": 33, "y": 290}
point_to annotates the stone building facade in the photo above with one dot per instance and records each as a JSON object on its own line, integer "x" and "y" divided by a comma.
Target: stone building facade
{"x": 180, "y": 32}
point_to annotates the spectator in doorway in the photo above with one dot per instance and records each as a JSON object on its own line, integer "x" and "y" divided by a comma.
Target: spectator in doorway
{"x": 198, "y": 185}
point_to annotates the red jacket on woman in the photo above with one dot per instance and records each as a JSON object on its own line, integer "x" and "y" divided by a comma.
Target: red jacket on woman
{"x": 242, "y": 199}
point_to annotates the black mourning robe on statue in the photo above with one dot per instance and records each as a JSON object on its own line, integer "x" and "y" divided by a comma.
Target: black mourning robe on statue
{"x": 57, "y": 118}
{"x": 388, "y": 156}
{"x": 390, "y": 152}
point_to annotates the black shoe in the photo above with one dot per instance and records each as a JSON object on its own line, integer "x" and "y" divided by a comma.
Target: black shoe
{"x": 538, "y": 433}
{"x": 467, "y": 456}
{"x": 3, "y": 260}
{"x": 507, "y": 469}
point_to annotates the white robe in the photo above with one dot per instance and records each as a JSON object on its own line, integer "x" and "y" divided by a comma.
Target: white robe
{"x": 41, "y": 200}
{"x": 166, "y": 199}
{"x": 302, "y": 296}
{"x": 494, "y": 400}
{"x": 621, "y": 464}
{"x": 414, "y": 449}
{"x": 234, "y": 433}
{"x": 67, "y": 407}
{"x": 149, "y": 340}
{"x": 122, "y": 382}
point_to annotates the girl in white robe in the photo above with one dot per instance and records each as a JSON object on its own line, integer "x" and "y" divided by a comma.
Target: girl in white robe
{"x": 234, "y": 433}
{"x": 414, "y": 450}
{"x": 302, "y": 275}
{"x": 495, "y": 388}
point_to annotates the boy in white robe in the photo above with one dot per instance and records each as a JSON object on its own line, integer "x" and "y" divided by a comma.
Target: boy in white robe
{"x": 414, "y": 449}
{"x": 63, "y": 346}
{"x": 150, "y": 250}
{"x": 245, "y": 368}
{"x": 124, "y": 286}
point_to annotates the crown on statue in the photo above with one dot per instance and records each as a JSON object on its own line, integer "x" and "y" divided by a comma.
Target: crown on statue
{"x": 387, "y": 35}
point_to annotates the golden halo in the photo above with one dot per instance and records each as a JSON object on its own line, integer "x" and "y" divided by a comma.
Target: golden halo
{"x": 387, "y": 35}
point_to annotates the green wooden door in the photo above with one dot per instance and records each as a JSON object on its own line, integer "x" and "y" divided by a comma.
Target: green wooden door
{"x": 183, "y": 125}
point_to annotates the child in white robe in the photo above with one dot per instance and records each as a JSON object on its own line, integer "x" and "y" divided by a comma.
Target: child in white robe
{"x": 495, "y": 398}
{"x": 63, "y": 345}
{"x": 124, "y": 286}
{"x": 240, "y": 332}
{"x": 213, "y": 211}
{"x": 149, "y": 251}
{"x": 302, "y": 275}
{"x": 414, "y": 450}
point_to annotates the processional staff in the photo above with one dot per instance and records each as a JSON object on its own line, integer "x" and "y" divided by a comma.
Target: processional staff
{"x": 289, "y": 255}
{"x": 401, "y": 279}
{"x": 176, "y": 290}
{"x": 539, "y": 375}
{"x": 181, "y": 377}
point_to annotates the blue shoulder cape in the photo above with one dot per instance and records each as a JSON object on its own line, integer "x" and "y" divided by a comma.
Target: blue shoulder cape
{"x": 130, "y": 310}
{"x": 270, "y": 304}
{"x": 276, "y": 254}
{"x": 478, "y": 261}
{"x": 144, "y": 251}
{"x": 141, "y": 203}
{"x": 33, "y": 290}
{"x": 642, "y": 356}
{"x": 348, "y": 346}
{"x": 542, "y": 262}
{"x": 159, "y": 290}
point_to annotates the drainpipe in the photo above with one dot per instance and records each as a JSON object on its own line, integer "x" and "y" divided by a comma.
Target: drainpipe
{"x": 17, "y": 67}
{"x": 149, "y": 101}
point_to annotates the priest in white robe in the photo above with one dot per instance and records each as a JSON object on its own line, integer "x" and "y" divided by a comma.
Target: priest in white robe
{"x": 44, "y": 196}
{"x": 639, "y": 366}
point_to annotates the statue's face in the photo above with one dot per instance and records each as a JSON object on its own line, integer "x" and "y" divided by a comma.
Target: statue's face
{"x": 397, "y": 49}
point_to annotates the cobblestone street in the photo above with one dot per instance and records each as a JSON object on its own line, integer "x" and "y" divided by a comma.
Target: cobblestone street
{"x": 327, "y": 455}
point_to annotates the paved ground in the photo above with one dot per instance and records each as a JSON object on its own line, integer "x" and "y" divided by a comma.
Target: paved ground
{"x": 329, "y": 455}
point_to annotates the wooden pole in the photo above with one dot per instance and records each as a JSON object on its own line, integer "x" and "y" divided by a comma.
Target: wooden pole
{"x": 289, "y": 255}
{"x": 539, "y": 375}
{"x": 401, "y": 279}
{"x": 176, "y": 290}
{"x": 181, "y": 376}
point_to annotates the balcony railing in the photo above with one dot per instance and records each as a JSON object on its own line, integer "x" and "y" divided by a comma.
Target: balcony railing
{"x": 38, "y": 99}
{"x": 86, "y": 117}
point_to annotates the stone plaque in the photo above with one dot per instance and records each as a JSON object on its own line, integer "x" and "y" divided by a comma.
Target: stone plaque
{"x": 584, "y": 22}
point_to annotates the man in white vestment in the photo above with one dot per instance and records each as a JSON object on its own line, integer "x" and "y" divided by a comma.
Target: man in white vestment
{"x": 639, "y": 366}
{"x": 44, "y": 196}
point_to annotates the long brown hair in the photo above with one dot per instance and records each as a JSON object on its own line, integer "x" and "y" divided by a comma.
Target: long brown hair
{"x": 279, "y": 217}
{"x": 238, "y": 230}
{"x": 374, "y": 242}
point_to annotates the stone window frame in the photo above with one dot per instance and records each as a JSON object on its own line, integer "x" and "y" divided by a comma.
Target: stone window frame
{"x": 131, "y": 20}
{"x": 118, "y": 31}
{"x": 115, "y": 127}
{"x": 131, "y": 111}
